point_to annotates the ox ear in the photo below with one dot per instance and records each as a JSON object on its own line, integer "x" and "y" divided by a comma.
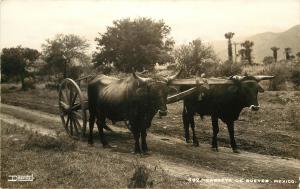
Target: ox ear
{"x": 141, "y": 91}
{"x": 233, "y": 89}
{"x": 170, "y": 78}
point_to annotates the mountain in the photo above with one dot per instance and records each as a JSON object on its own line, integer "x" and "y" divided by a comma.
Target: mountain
{"x": 263, "y": 42}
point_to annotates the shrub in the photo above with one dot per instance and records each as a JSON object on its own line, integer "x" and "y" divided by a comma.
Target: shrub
{"x": 39, "y": 142}
{"x": 105, "y": 69}
{"x": 209, "y": 68}
{"x": 268, "y": 60}
{"x": 294, "y": 116}
{"x": 140, "y": 178}
{"x": 29, "y": 83}
{"x": 281, "y": 73}
{"x": 52, "y": 86}
{"x": 4, "y": 78}
{"x": 196, "y": 58}
{"x": 295, "y": 75}
{"x": 75, "y": 72}
{"x": 229, "y": 69}
{"x": 4, "y": 90}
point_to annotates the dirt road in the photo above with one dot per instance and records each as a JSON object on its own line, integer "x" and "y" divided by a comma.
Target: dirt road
{"x": 273, "y": 130}
{"x": 179, "y": 160}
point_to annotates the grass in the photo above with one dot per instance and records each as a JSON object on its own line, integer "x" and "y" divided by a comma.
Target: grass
{"x": 38, "y": 142}
{"x": 140, "y": 178}
{"x": 64, "y": 163}
{"x": 294, "y": 116}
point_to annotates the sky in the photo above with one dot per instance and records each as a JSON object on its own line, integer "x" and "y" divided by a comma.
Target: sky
{"x": 30, "y": 22}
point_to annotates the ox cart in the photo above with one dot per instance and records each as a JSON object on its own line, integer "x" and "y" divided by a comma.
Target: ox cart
{"x": 73, "y": 103}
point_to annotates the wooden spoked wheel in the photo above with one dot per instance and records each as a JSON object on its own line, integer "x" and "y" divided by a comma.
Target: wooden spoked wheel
{"x": 72, "y": 108}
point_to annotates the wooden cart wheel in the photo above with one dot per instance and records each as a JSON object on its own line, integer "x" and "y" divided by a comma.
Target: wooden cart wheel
{"x": 72, "y": 108}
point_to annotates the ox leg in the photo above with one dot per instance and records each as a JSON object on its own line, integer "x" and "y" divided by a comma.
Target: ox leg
{"x": 136, "y": 134}
{"x": 144, "y": 142}
{"x": 91, "y": 125}
{"x": 101, "y": 125}
{"x": 215, "y": 126}
{"x": 230, "y": 127}
{"x": 186, "y": 125}
{"x": 192, "y": 122}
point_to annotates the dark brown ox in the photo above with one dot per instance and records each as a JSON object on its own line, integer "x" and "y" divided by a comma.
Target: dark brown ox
{"x": 133, "y": 99}
{"x": 223, "y": 102}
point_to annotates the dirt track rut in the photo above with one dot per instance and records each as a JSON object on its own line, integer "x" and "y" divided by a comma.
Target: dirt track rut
{"x": 181, "y": 170}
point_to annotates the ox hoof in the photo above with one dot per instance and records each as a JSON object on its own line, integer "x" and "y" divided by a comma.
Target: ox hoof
{"x": 91, "y": 143}
{"x": 137, "y": 151}
{"x": 196, "y": 143}
{"x": 236, "y": 151}
{"x": 214, "y": 149}
{"x": 147, "y": 153}
{"x": 187, "y": 140}
{"x": 106, "y": 146}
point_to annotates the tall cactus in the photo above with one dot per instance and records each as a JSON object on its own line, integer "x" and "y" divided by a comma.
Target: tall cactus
{"x": 275, "y": 49}
{"x": 228, "y": 36}
{"x": 287, "y": 51}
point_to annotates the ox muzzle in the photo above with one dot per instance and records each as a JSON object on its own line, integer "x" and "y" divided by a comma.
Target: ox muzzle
{"x": 254, "y": 108}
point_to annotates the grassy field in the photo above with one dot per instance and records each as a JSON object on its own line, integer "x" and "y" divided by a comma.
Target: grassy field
{"x": 58, "y": 161}
{"x": 64, "y": 163}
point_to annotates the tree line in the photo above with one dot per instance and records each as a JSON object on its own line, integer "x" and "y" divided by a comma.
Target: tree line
{"x": 127, "y": 45}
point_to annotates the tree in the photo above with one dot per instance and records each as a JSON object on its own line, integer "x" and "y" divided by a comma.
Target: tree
{"x": 242, "y": 54}
{"x": 137, "y": 44}
{"x": 16, "y": 62}
{"x": 228, "y": 36}
{"x": 275, "y": 49}
{"x": 248, "y": 50}
{"x": 64, "y": 52}
{"x": 287, "y": 52}
{"x": 196, "y": 58}
{"x": 298, "y": 55}
{"x": 268, "y": 60}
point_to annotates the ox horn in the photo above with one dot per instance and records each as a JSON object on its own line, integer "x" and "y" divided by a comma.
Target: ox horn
{"x": 140, "y": 78}
{"x": 263, "y": 77}
{"x": 170, "y": 78}
{"x": 143, "y": 72}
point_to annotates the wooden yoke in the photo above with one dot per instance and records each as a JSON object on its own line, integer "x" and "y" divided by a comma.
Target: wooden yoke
{"x": 195, "y": 83}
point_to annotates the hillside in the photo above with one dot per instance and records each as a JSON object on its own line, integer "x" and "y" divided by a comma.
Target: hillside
{"x": 263, "y": 42}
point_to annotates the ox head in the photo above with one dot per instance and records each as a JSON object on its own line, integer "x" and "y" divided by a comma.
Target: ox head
{"x": 156, "y": 90}
{"x": 248, "y": 88}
